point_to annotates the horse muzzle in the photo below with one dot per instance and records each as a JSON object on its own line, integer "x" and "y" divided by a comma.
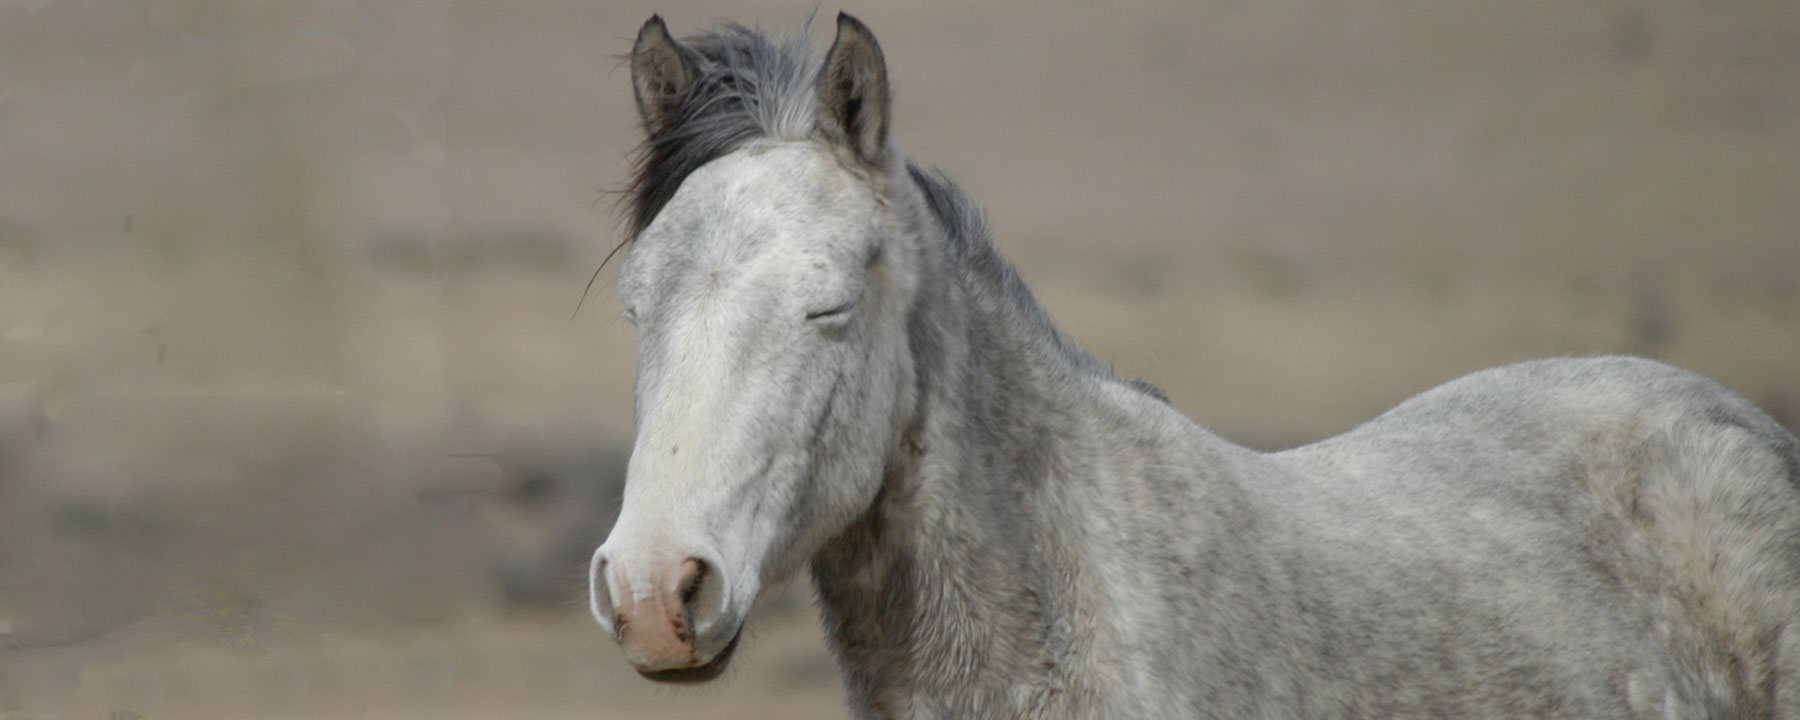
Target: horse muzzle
{"x": 669, "y": 617}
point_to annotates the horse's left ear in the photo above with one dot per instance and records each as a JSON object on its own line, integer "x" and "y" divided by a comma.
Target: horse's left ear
{"x": 853, "y": 90}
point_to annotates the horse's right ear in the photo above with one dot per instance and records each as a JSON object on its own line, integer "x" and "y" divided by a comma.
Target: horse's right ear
{"x": 661, "y": 70}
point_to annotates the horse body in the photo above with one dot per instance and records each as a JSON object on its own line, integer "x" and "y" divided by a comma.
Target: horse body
{"x": 1511, "y": 544}
{"x": 838, "y": 370}
{"x": 1594, "y": 537}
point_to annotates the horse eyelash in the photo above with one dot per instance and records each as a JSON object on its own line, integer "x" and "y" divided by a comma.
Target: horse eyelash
{"x": 828, "y": 314}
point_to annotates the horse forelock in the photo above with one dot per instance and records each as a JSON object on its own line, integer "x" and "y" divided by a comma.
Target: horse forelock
{"x": 752, "y": 85}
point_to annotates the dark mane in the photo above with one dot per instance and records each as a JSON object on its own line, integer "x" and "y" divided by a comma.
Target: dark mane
{"x": 971, "y": 247}
{"x": 751, "y": 85}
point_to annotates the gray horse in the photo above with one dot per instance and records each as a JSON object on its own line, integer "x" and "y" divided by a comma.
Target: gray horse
{"x": 837, "y": 370}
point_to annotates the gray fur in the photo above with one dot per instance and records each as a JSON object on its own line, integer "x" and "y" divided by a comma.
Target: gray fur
{"x": 1000, "y": 527}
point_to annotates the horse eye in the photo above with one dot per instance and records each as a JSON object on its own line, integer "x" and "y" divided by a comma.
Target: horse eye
{"x": 630, "y": 315}
{"x": 834, "y": 315}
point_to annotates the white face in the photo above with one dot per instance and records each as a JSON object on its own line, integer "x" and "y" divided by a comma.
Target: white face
{"x": 770, "y": 302}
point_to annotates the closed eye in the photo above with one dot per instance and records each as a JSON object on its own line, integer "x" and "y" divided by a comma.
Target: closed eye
{"x": 839, "y": 313}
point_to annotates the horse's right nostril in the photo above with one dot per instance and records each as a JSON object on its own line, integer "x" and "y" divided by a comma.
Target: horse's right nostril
{"x": 600, "y": 601}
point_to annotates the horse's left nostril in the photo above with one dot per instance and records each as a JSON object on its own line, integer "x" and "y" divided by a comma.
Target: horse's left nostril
{"x": 700, "y": 590}
{"x": 693, "y": 571}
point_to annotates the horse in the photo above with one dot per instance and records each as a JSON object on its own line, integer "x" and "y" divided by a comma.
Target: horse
{"x": 838, "y": 372}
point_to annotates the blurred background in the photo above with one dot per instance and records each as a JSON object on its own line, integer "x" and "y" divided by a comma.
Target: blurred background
{"x": 295, "y": 421}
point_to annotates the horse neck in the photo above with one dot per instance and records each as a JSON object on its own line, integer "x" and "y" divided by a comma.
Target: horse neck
{"x": 960, "y": 569}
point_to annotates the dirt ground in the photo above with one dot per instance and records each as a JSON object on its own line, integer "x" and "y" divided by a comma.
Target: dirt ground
{"x": 295, "y": 421}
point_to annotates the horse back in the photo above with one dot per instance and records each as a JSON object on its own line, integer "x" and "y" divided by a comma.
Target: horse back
{"x": 1588, "y": 532}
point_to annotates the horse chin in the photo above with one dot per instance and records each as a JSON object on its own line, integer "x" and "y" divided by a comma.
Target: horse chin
{"x": 699, "y": 673}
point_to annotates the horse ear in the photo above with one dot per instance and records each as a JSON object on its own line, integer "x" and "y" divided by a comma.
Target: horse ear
{"x": 853, "y": 89}
{"x": 661, "y": 70}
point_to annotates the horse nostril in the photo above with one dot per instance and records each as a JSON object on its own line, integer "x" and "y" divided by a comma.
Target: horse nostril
{"x": 693, "y": 571}
{"x": 700, "y": 593}
{"x": 600, "y": 601}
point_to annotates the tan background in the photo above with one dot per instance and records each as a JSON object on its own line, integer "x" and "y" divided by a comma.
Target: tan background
{"x": 294, "y": 421}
